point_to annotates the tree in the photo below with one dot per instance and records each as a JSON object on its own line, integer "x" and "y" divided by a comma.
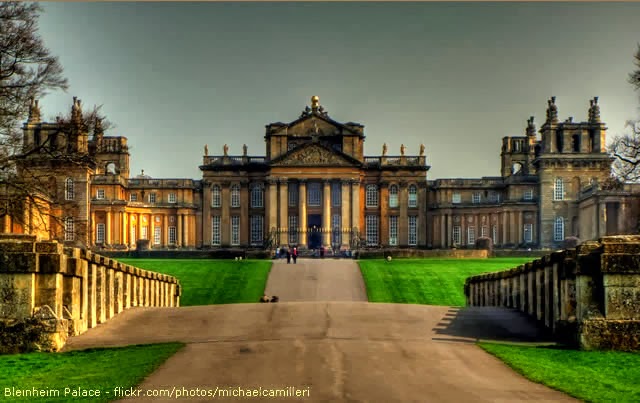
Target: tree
{"x": 626, "y": 149}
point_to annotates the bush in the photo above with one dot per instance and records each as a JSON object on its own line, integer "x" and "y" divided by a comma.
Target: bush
{"x": 484, "y": 243}
{"x": 571, "y": 242}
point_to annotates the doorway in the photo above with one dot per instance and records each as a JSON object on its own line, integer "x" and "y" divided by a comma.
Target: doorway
{"x": 314, "y": 223}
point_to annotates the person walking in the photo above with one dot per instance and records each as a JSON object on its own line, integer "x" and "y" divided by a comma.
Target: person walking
{"x": 295, "y": 254}
{"x": 288, "y": 256}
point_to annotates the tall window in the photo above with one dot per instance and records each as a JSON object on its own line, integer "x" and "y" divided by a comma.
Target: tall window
{"x": 69, "y": 234}
{"x": 173, "y": 198}
{"x": 393, "y": 196}
{"x": 336, "y": 194}
{"x": 483, "y": 231}
{"x": 528, "y": 194}
{"x": 558, "y": 230}
{"x": 133, "y": 197}
{"x": 256, "y": 229}
{"x": 68, "y": 189}
{"x": 293, "y": 194}
{"x": 558, "y": 191}
{"x": 372, "y": 230}
{"x": 293, "y": 229}
{"x": 157, "y": 235}
{"x": 172, "y": 236}
{"x": 336, "y": 232}
{"x": 476, "y": 197}
{"x": 314, "y": 195}
{"x": 216, "y": 196}
{"x": 413, "y": 196}
{"x": 132, "y": 236}
{"x": 471, "y": 235}
{"x": 235, "y": 230}
{"x": 215, "y": 230}
{"x": 372, "y": 196}
{"x": 100, "y": 194}
{"x": 257, "y": 196}
{"x": 528, "y": 233}
{"x": 393, "y": 230}
{"x": 494, "y": 234}
{"x": 413, "y": 230}
{"x": 144, "y": 233}
{"x": 152, "y": 197}
{"x": 100, "y": 231}
{"x": 456, "y": 235}
{"x": 456, "y": 198}
{"x": 235, "y": 195}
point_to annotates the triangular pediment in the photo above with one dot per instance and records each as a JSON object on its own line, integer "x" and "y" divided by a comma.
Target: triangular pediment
{"x": 314, "y": 124}
{"x": 314, "y": 154}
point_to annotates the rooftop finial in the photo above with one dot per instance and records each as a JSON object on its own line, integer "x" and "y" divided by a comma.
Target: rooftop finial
{"x": 315, "y": 103}
{"x": 552, "y": 111}
{"x": 531, "y": 127}
{"x": 594, "y": 111}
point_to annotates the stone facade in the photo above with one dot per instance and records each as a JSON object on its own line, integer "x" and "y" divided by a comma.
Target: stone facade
{"x": 315, "y": 187}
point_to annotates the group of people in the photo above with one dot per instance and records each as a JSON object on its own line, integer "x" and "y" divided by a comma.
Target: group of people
{"x": 289, "y": 253}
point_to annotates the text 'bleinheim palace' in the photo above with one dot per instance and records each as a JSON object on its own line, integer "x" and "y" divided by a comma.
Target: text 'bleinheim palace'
{"x": 315, "y": 187}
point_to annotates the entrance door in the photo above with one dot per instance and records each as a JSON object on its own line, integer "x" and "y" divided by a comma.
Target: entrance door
{"x": 314, "y": 222}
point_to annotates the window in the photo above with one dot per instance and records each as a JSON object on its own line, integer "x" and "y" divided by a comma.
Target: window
{"x": 393, "y": 196}
{"x": 100, "y": 231}
{"x": 216, "y": 196}
{"x": 528, "y": 194}
{"x": 528, "y": 233}
{"x": 133, "y": 197}
{"x": 494, "y": 197}
{"x": 152, "y": 197}
{"x": 293, "y": 194}
{"x": 132, "y": 236}
{"x": 157, "y": 235}
{"x": 256, "y": 229}
{"x": 314, "y": 195}
{"x": 215, "y": 230}
{"x": 172, "y": 198}
{"x": 558, "y": 191}
{"x": 476, "y": 197}
{"x": 494, "y": 234}
{"x": 68, "y": 229}
{"x": 372, "y": 196}
{"x": 291, "y": 146}
{"x": 483, "y": 231}
{"x": 100, "y": 194}
{"x": 257, "y": 198}
{"x": 336, "y": 224}
{"x": 336, "y": 194}
{"x": 393, "y": 230}
{"x": 558, "y": 230}
{"x": 372, "y": 230}
{"x": 456, "y": 235}
{"x": 293, "y": 229}
{"x": 337, "y": 146}
{"x": 471, "y": 235}
{"x": 235, "y": 195}
{"x": 235, "y": 230}
{"x": 413, "y": 196}
{"x": 413, "y": 230}
{"x": 455, "y": 198}
{"x": 172, "y": 236}
{"x": 144, "y": 234}
{"x": 68, "y": 189}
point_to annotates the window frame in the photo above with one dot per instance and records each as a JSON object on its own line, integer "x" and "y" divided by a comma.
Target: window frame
{"x": 235, "y": 195}
{"x": 412, "y": 224}
{"x": 100, "y": 194}
{"x": 456, "y": 198}
{"x": 372, "y": 230}
{"x": 216, "y": 196}
{"x": 69, "y": 230}
{"x": 558, "y": 189}
{"x": 558, "y": 229}
{"x": 172, "y": 198}
{"x": 235, "y": 230}
{"x": 216, "y": 231}
{"x": 69, "y": 191}
{"x": 371, "y": 196}
{"x": 101, "y": 232}
{"x": 256, "y": 223}
{"x": 393, "y": 230}
{"x": 413, "y": 196}
{"x": 394, "y": 200}
{"x": 257, "y": 196}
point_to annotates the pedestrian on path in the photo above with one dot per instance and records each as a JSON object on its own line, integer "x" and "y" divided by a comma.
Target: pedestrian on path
{"x": 288, "y": 256}
{"x": 295, "y": 255}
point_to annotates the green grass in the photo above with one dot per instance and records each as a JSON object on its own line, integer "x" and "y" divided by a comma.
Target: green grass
{"x": 206, "y": 282}
{"x": 592, "y": 376}
{"x": 93, "y": 369}
{"x": 426, "y": 281}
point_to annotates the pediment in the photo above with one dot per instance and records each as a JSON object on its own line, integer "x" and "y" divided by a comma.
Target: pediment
{"x": 314, "y": 125}
{"x": 314, "y": 154}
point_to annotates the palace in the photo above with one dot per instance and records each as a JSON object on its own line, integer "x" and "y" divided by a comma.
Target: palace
{"x": 315, "y": 187}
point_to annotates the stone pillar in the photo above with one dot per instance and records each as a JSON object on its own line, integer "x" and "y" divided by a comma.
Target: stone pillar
{"x": 531, "y": 290}
{"x": 326, "y": 215}
{"x": 403, "y": 219}
{"x": 284, "y": 211}
{"x": 186, "y": 228}
{"x": 180, "y": 218}
{"x": 101, "y": 294}
{"x": 138, "y": 226}
{"x": 165, "y": 230}
{"x": 92, "y": 303}
{"x": 152, "y": 231}
{"x": 125, "y": 234}
{"x": 92, "y": 237}
{"x": 540, "y": 294}
{"x": 302, "y": 202}
{"x": 272, "y": 205}
{"x": 108, "y": 229}
{"x": 225, "y": 220}
{"x": 505, "y": 229}
{"x": 521, "y": 227}
{"x": 449, "y": 235}
{"x": 245, "y": 231}
{"x": 384, "y": 214}
{"x": 345, "y": 216}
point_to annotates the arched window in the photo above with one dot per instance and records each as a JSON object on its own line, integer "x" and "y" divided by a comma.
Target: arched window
{"x": 558, "y": 191}
{"x": 558, "y": 230}
{"x": 68, "y": 189}
{"x": 216, "y": 199}
{"x": 235, "y": 195}
{"x": 256, "y": 196}
{"x": 68, "y": 229}
{"x": 393, "y": 196}
{"x": 372, "y": 196}
{"x": 413, "y": 196}
{"x": 111, "y": 168}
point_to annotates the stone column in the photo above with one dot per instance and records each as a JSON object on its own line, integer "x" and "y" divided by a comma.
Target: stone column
{"x": 225, "y": 220}
{"x": 180, "y": 218}
{"x": 520, "y": 226}
{"x": 165, "y": 230}
{"x": 355, "y": 206}
{"x": 326, "y": 215}
{"x": 384, "y": 210}
{"x": 284, "y": 211}
{"x": 302, "y": 202}
{"x": 505, "y": 228}
{"x": 272, "y": 205}
{"x": 138, "y": 226}
{"x": 345, "y": 216}
{"x": 125, "y": 229}
{"x": 403, "y": 220}
{"x": 449, "y": 236}
{"x": 245, "y": 230}
{"x": 93, "y": 227}
{"x": 108, "y": 228}
{"x": 152, "y": 230}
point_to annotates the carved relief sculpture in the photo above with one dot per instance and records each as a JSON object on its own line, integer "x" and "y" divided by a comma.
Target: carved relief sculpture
{"x": 313, "y": 156}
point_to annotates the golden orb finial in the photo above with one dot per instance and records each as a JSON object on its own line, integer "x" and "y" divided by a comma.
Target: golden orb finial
{"x": 315, "y": 102}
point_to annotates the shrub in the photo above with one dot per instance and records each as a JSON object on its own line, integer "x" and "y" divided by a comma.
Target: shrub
{"x": 484, "y": 243}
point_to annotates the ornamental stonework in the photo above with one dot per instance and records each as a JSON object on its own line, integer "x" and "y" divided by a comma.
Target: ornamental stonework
{"x": 313, "y": 155}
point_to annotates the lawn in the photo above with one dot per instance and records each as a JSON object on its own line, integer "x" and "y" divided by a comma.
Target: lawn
{"x": 206, "y": 282}
{"x": 89, "y": 370}
{"x": 593, "y": 376}
{"x": 426, "y": 281}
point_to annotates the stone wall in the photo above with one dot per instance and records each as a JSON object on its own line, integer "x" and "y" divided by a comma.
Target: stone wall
{"x": 48, "y": 292}
{"x": 588, "y": 296}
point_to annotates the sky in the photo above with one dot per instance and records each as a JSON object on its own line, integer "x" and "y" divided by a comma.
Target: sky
{"x": 456, "y": 77}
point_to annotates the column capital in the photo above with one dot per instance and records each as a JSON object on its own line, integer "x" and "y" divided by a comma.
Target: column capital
{"x": 283, "y": 180}
{"x": 326, "y": 182}
{"x": 272, "y": 181}
{"x": 355, "y": 181}
{"x": 302, "y": 180}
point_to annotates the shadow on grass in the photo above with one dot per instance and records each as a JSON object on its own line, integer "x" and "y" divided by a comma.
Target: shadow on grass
{"x": 473, "y": 324}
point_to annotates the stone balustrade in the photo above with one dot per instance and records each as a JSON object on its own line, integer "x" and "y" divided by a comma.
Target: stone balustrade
{"x": 588, "y": 296}
{"x": 49, "y": 292}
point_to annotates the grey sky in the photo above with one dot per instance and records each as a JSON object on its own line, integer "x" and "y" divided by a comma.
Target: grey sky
{"x": 454, "y": 76}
